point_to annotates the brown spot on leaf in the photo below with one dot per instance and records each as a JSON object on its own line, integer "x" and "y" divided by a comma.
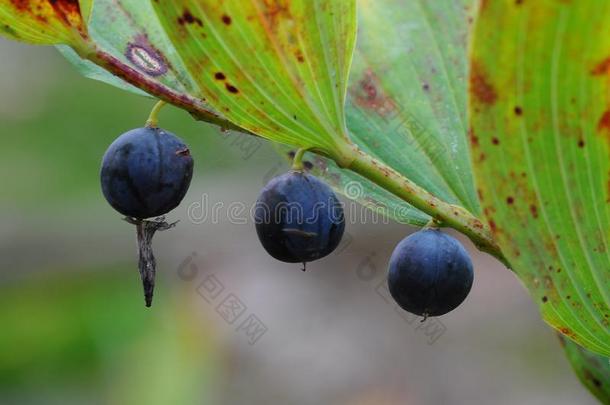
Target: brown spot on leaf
{"x": 493, "y": 226}
{"x": 145, "y": 57}
{"x": 603, "y": 124}
{"x": 369, "y": 95}
{"x": 495, "y": 141}
{"x": 474, "y": 140}
{"x": 567, "y": 331}
{"x": 219, "y": 76}
{"x": 188, "y": 18}
{"x": 299, "y": 55}
{"x": 544, "y": 299}
{"x": 274, "y": 11}
{"x": 510, "y": 200}
{"x": 21, "y": 5}
{"x": 480, "y": 87}
{"x": 226, "y": 19}
{"x": 231, "y": 88}
{"x": 601, "y": 68}
{"x": 66, "y": 11}
{"x": 534, "y": 210}
{"x": 518, "y": 111}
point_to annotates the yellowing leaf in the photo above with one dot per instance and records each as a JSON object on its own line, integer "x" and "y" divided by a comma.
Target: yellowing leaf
{"x": 44, "y": 21}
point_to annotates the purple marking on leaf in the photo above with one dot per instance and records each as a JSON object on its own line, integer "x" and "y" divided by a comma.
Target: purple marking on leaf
{"x": 146, "y": 59}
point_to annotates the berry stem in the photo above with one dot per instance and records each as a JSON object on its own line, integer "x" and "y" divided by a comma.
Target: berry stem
{"x": 433, "y": 224}
{"x": 153, "y": 119}
{"x": 442, "y": 212}
{"x": 297, "y": 161}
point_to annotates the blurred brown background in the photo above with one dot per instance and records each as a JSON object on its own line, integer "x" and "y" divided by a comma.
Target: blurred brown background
{"x": 229, "y": 325}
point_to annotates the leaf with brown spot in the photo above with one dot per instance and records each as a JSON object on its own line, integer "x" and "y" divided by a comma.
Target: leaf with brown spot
{"x": 481, "y": 89}
{"x": 406, "y": 101}
{"x": 130, "y": 31}
{"x": 534, "y": 56}
{"x": 263, "y": 86}
{"x": 45, "y": 21}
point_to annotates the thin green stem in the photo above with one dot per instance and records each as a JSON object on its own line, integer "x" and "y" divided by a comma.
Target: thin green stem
{"x": 433, "y": 224}
{"x": 297, "y": 161}
{"x": 442, "y": 212}
{"x": 153, "y": 119}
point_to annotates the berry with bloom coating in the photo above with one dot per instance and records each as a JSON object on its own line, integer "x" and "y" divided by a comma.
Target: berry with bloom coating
{"x": 298, "y": 218}
{"x": 146, "y": 172}
{"x": 430, "y": 273}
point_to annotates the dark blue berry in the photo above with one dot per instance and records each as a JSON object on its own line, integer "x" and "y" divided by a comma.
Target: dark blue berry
{"x": 146, "y": 172}
{"x": 298, "y": 218}
{"x": 430, "y": 273}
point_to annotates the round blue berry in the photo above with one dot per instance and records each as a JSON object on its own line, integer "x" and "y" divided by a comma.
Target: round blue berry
{"x": 298, "y": 218}
{"x": 430, "y": 273}
{"x": 146, "y": 172}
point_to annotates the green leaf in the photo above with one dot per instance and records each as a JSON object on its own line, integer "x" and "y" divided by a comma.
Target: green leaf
{"x": 592, "y": 369}
{"x": 407, "y": 103}
{"x": 539, "y": 106}
{"x": 44, "y": 21}
{"x": 276, "y": 68}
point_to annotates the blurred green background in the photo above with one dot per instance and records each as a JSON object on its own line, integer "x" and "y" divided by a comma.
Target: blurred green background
{"x": 74, "y": 328}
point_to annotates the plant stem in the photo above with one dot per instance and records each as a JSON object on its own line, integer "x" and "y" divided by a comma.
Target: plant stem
{"x": 297, "y": 161}
{"x": 153, "y": 119}
{"x": 447, "y": 214}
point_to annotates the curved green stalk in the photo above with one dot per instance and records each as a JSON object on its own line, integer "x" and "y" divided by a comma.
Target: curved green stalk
{"x": 442, "y": 212}
{"x": 297, "y": 161}
{"x": 153, "y": 119}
